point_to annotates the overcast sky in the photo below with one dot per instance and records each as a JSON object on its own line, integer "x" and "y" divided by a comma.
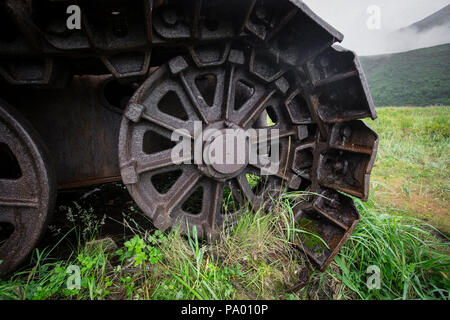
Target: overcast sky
{"x": 350, "y": 17}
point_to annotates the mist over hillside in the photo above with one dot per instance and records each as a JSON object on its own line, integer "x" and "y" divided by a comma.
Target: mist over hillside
{"x": 371, "y": 26}
{"x": 437, "y": 19}
{"x": 417, "y": 71}
{"x": 431, "y": 31}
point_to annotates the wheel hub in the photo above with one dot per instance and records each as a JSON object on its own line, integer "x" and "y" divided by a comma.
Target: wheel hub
{"x": 225, "y": 152}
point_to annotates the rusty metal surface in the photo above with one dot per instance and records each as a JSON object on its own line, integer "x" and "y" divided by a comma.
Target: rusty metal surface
{"x": 316, "y": 90}
{"x": 173, "y": 97}
{"x": 79, "y": 126}
{"x": 27, "y": 188}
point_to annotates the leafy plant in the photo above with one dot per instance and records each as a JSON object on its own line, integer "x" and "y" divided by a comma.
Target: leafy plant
{"x": 139, "y": 252}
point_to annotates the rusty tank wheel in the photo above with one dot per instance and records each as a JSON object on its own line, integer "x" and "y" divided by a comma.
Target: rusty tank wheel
{"x": 240, "y": 87}
{"x": 221, "y": 95}
{"x": 27, "y": 188}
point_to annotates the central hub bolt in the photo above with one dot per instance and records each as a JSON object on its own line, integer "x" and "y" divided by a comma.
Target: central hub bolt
{"x": 226, "y": 153}
{"x": 233, "y": 153}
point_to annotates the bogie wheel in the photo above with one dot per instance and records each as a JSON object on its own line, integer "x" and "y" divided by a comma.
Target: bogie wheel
{"x": 240, "y": 88}
{"x": 220, "y": 96}
{"x": 27, "y": 188}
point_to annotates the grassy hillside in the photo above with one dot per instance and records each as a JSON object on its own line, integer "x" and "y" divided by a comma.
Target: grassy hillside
{"x": 417, "y": 78}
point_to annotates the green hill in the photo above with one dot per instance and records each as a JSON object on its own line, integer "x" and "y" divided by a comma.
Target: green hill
{"x": 416, "y": 78}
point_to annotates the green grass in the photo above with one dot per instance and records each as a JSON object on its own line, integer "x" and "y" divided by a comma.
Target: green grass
{"x": 411, "y": 174}
{"x": 259, "y": 258}
{"x": 413, "y": 263}
{"x": 253, "y": 260}
{"x": 417, "y": 78}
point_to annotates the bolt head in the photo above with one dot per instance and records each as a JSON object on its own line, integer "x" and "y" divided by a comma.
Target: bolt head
{"x": 134, "y": 112}
{"x": 129, "y": 175}
{"x": 178, "y": 65}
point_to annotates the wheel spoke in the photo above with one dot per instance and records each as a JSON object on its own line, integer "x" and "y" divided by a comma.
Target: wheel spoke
{"x": 215, "y": 203}
{"x": 25, "y": 203}
{"x": 141, "y": 128}
{"x": 182, "y": 187}
{"x": 276, "y": 135}
{"x": 245, "y": 188}
{"x": 157, "y": 161}
{"x": 256, "y": 110}
{"x": 199, "y": 107}
{"x": 14, "y": 194}
{"x": 229, "y": 92}
{"x": 236, "y": 192}
{"x": 263, "y": 168}
{"x": 168, "y": 122}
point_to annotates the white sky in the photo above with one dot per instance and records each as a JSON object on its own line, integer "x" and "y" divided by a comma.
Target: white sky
{"x": 350, "y": 17}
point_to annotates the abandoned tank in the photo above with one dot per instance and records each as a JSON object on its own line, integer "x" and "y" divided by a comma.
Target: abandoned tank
{"x": 91, "y": 92}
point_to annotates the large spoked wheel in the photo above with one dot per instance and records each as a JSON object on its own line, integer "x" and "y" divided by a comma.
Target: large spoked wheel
{"x": 238, "y": 87}
{"x": 27, "y": 188}
{"x": 221, "y": 95}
